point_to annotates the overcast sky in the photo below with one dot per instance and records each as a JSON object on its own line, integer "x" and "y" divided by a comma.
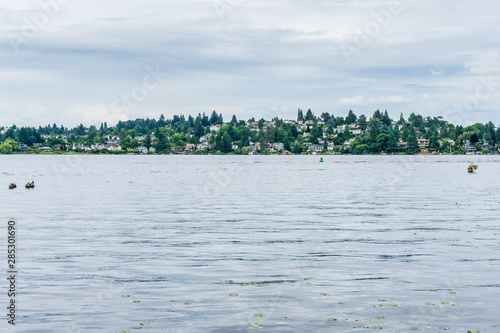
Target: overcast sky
{"x": 76, "y": 61}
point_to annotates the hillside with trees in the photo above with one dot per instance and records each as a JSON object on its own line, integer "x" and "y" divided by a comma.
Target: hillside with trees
{"x": 211, "y": 134}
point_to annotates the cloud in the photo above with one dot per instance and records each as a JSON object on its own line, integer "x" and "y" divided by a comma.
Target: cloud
{"x": 388, "y": 100}
{"x": 436, "y": 70}
{"x": 258, "y": 54}
{"x": 484, "y": 64}
{"x": 352, "y": 101}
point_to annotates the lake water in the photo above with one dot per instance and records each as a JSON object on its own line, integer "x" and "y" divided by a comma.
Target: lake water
{"x": 238, "y": 243}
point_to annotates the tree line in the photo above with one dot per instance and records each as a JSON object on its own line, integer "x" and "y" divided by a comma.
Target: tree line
{"x": 375, "y": 134}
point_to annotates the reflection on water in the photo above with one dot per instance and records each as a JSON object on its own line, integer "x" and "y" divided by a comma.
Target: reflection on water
{"x": 233, "y": 244}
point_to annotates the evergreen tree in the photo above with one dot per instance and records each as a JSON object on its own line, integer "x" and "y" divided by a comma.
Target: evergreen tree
{"x": 412, "y": 142}
{"x": 147, "y": 141}
{"x": 286, "y": 143}
{"x": 161, "y": 121}
{"x": 300, "y": 115}
{"x": 309, "y": 115}
{"x": 214, "y": 118}
{"x": 227, "y": 143}
{"x": 362, "y": 122}
{"x": 199, "y": 131}
{"x": 351, "y": 118}
{"x": 326, "y": 116}
{"x": 386, "y": 120}
{"x": 392, "y": 144}
{"x": 234, "y": 121}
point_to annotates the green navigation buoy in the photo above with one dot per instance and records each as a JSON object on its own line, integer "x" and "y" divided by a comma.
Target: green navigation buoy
{"x": 321, "y": 160}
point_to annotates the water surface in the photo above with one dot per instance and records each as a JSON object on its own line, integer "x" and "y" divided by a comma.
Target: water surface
{"x": 244, "y": 243}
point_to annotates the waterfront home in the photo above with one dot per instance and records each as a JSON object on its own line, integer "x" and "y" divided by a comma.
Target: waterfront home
{"x": 403, "y": 145}
{"x": 315, "y": 148}
{"x": 47, "y": 149}
{"x": 348, "y": 142}
{"x": 470, "y": 148}
{"x": 423, "y": 143}
{"x": 190, "y": 147}
{"x": 113, "y": 147}
{"x": 202, "y": 146}
{"x": 142, "y": 149}
{"x": 215, "y": 128}
{"x": 113, "y": 140}
{"x": 278, "y": 146}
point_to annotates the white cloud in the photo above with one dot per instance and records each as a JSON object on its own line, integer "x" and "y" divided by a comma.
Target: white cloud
{"x": 436, "y": 70}
{"x": 259, "y": 53}
{"x": 484, "y": 64}
{"x": 388, "y": 100}
{"x": 352, "y": 101}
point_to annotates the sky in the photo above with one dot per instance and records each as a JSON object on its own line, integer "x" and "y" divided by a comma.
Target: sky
{"x": 74, "y": 61}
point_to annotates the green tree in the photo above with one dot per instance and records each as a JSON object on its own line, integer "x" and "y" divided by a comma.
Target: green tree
{"x": 386, "y": 120}
{"x": 392, "y": 144}
{"x": 227, "y": 143}
{"x": 382, "y": 141}
{"x": 199, "y": 131}
{"x": 286, "y": 143}
{"x": 300, "y": 115}
{"x": 161, "y": 121}
{"x": 374, "y": 129}
{"x": 351, "y": 118}
{"x": 134, "y": 144}
{"x": 161, "y": 141}
{"x": 326, "y": 116}
{"x": 260, "y": 124}
{"x": 309, "y": 115}
{"x": 125, "y": 144}
{"x": 234, "y": 121}
{"x": 474, "y": 138}
{"x": 10, "y": 134}
{"x": 412, "y": 142}
{"x": 362, "y": 122}
{"x": 7, "y": 147}
{"x": 147, "y": 141}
